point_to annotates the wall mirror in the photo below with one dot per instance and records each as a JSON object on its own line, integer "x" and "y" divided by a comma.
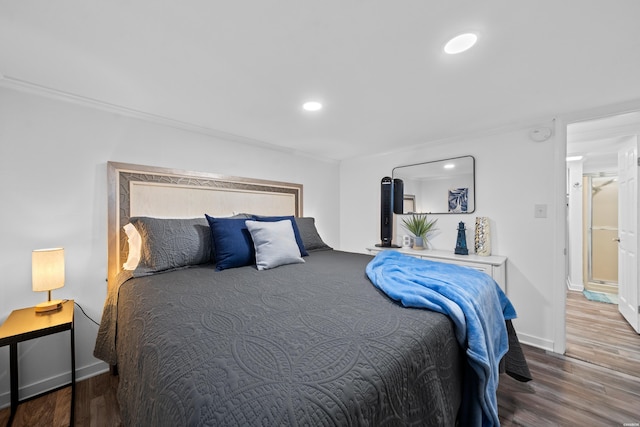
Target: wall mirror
{"x": 439, "y": 187}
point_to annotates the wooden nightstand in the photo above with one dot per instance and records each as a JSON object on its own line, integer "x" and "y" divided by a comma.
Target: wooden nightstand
{"x": 26, "y": 324}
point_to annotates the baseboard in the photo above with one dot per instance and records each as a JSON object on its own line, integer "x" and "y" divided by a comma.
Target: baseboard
{"x": 54, "y": 382}
{"x": 574, "y": 286}
{"x": 536, "y": 342}
{"x": 91, "y": 370}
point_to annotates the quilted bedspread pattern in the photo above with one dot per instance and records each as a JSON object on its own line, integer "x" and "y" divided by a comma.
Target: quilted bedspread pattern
{"x": 478, "y": 308}
{"x": 302, "y": 344}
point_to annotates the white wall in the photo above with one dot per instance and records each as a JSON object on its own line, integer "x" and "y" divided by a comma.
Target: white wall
{"x": 513, "y": 174}
{"x": 53, "y": 158}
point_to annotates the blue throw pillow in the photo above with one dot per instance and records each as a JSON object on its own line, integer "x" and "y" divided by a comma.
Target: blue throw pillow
{"x": 232, "y": 242}
{"x": 296, "y": 232}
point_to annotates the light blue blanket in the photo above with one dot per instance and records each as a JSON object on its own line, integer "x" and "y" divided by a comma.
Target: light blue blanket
{"x": 478, "y": 308}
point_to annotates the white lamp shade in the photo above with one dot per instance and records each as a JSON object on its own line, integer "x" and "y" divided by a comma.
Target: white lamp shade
{"x": 47, "y": 269}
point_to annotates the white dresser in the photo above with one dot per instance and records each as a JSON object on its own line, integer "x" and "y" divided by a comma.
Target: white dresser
{"x": 494, "y": 265}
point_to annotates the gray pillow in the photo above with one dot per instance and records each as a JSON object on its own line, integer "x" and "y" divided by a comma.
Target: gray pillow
{"x": 309, "y": 234}
{"x": 275, "y": 243}
{"x": 172, "y": 242}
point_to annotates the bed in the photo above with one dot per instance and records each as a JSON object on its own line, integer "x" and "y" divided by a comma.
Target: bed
{"x": 269, "y": 340}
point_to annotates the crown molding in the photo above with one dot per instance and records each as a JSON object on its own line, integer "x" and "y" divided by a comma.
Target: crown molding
{"x": 68, "y": 97}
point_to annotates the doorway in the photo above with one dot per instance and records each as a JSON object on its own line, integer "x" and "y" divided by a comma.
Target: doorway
{"x": 594, "y": 194}
{"x": 592, "y": 189}
{"x": 600, "y": 233}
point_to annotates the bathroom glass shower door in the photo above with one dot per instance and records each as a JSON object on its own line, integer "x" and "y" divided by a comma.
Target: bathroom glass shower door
{"x": 602, "y": 255}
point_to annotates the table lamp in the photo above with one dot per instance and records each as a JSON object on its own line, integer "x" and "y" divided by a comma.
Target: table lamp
{"x": 47, "y": 273}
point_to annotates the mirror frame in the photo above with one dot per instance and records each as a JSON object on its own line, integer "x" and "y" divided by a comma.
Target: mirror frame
{"x": 411, "y": 198}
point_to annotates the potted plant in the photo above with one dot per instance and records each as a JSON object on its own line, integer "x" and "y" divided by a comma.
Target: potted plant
{"x": 419, "y": 225}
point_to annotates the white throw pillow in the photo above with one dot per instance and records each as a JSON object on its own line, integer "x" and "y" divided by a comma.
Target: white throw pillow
{"x": 274, "y": 243}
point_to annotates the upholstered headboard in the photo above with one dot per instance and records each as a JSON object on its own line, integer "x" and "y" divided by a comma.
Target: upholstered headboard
{"x": 135, "y": 190}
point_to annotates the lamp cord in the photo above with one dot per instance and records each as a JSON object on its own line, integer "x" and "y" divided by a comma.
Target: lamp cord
{"x": 83, "y": 312}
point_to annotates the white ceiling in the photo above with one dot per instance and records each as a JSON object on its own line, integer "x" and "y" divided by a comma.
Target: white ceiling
{"x": 243, "y": 68}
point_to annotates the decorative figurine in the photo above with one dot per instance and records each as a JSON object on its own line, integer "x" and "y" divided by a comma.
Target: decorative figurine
{"x": 461, "y": 241}
{"x": 483, "y": 236}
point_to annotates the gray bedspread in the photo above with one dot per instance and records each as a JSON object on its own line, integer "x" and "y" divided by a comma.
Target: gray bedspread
{"x": 302, "y": 344}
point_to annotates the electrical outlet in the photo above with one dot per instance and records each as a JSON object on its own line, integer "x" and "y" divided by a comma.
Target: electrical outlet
{"x": 540, "y": 211}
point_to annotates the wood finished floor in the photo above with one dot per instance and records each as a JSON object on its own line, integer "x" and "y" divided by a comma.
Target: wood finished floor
{"x": 596, "y": 382}
{"x": 96, "y": 406}
{"x": 599, "y": 385}
{"x": 597, "y": 333}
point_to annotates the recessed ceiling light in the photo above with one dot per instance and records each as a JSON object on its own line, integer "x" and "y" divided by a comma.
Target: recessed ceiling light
{"x": 460, "y": 43}
{"x": 312, "y": 106}
{"x": 449, "y": 166}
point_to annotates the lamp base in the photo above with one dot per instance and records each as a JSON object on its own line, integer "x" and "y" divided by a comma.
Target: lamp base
{"x": 46, "y": 306}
